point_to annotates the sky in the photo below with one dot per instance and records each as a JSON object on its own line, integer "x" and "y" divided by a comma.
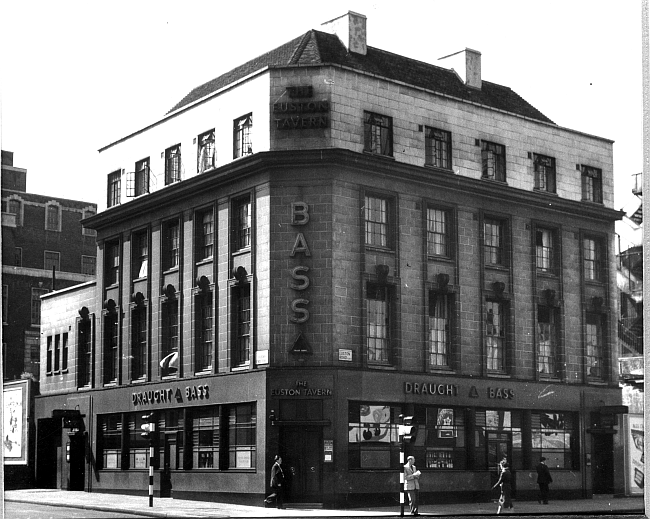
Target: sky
{"x": 78, "y": 75}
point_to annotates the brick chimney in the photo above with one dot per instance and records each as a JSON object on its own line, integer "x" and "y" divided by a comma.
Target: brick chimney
{"x": 467, "y": 65}
{"x": 351, "y": 30}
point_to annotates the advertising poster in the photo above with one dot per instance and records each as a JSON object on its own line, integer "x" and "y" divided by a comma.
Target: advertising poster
{"x": 636, "y": 454}
{"x": 14, "y": 423}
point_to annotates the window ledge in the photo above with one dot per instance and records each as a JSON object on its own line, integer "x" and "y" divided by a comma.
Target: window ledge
{"x": 379, "y": 248}
{"x": 545, "y": 192}
{"x": 205, "y": 261}
{"x": 171, "y": 270}
{"x": 434, "y": 257}
{"x": 446, "y": 370}
{"x": 140, "y": 279}
{"x": 239, "y": 252}
{"x": 497, "y": 374}
{"x": 449, "y": 171}
{"x": 494, "y": 181}
{"x": 378, "y": 366}
{"x": 502, "y": 268}
{"x": 546, "y": 274}
{"x": 594, "y": 282}
{"x": 242, "y": 367}
{"x": 203, "y": 373}
{"x": 140, "y": 380}
{"x": 372, "y": 153}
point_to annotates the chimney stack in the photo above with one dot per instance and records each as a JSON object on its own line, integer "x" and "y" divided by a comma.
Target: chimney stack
{"x": 470, "y": 71}
{"x": 351, "y": 30}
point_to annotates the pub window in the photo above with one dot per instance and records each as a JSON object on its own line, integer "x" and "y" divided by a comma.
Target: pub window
{"x": 544, "y": 173}
{"x": 440, "y": 315}
{"x": 112, "y": 263}
{"x": 379, "y": 305}
{"x": 443, "y": 438}
{"x": 592, "y": 184}
{"x": 438, "y": 235}
{"x": 205, "y": 332}
{"x": 139, "y": 342}
{"x": 241, "y": 223}
{"x": 206, "y": 153}
{"x": 378, "y": 134}
{"x": 495, "y": 241}
{"x": 205, "y": 438}
{"x": 113, "y": 190}
{"x": 138, "y": 453}
{"x": 373, "y": 441}
{"x": 84, "y": 353}
{"x": 141, "y": 177}
{"x": 204, "y": 235}
{"x": 171, "y": 245}
{"x": 110, "y": 441}
{"x": 242, "y": 436}
{"x": 169, "y": 350}
{"x": 243, "y": 136}
{"x": 111, "y": 347}
{"x": 594, "y": 338}
{"x": 241, "y": 304}
{"x": 547, "y": 334}
{"x": 493, "y": 161}
{"x": 498, "y": 435}
{"x": 495, "y": 335}
{"x": 593, "y": 252}
{"x": 545, "y": 250}
{"x": 437, "y": 145}
{"x": 378, "y": 212}
{"x": 173, "y": 164}
{"x": 140, "y": 254}
{"x": 555, "y": 436}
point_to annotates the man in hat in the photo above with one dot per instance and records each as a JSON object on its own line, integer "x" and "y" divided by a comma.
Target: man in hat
{"x": 412, "y": 484}
{"x": 543, "y": 479}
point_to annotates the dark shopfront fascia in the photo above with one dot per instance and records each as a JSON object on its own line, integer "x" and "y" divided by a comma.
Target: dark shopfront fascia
{"x": 209, "y": 435}
{"x": 466, "y": 427}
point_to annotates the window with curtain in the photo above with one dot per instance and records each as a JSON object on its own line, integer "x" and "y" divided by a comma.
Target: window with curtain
{"x": 595, "y": 345}
{"x": 378, "y": 331}
{"x": 242, "y": 218}
{"x": 546, "y": 340}
{"x": 84, "y": 352}
{"x": 109, "y": 449}
{"x": 206, "y": 153}
{"x": 592, "y": 250}
{"x": 171, "y": 245}
{"x": 438, "y": 238}
{"x": 440, "y": 305}
{"x": 494, "y": 242}
{"x": 495, "y": 336}
{"x": 173, "y": 164}
{"x": 378, "y": 134}
{"x": 205, "y": 332}
{"x": 377, "y": 221}
{"x": 169, "y": 346}
{"x": 142, "y": 177}
{"x": 592, "y": 184}
{"x": 242, "y": 136}
{"x": 205, "y": 235}
{"x": 112, "y": 263}
{"x": 494, "y": 161}
{"x": 140, "y": 254}
{"x": 544, "y": 173}
{"x": 544, "y": 245}
{"x": 242, "y": 436}
{"x": 138, "y": 342}
{"x": 437, "y": 144}
{"x": 241, "y": 304}
{"x": 111, "y": 347}
{"x": 205, "y": 437}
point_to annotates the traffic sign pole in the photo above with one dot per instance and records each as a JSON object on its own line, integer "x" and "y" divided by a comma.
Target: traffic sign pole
{"x": 401, "y": 465}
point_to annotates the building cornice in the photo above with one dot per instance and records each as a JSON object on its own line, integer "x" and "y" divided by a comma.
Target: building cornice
{"x": 267, "y": 162}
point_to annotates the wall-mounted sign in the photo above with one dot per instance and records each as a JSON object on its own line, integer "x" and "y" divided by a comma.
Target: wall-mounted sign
{"x": 328, "y": 451}
{"x": 301, "y": 115}
{"x": 345, "y": 355}
{"x": 428, "y": 388}
{"x": 168, "y": 395}
{"x": 15, "y": 429}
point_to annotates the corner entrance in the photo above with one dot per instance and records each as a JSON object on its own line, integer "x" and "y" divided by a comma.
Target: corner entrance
{"x": 300, "y": 449}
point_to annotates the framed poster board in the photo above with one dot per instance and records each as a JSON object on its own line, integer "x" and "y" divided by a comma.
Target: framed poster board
{"x": 15, "y": 428}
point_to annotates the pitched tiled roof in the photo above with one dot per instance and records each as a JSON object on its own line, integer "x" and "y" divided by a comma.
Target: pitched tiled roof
{"x": 320, "y": 48}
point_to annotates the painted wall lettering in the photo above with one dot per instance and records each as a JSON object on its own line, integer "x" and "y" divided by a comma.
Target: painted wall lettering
{"x": 498, "y": 392}
{"x": 424, "y": 388}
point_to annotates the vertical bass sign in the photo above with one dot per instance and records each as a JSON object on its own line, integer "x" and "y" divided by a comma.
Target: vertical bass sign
{"x": 300, "y": 283}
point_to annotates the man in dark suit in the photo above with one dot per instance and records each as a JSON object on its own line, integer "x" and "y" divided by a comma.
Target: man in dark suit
{"x": 543, "y": 479}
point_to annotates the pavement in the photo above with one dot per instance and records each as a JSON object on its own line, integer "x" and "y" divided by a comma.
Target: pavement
{"x": 169, "y": 507}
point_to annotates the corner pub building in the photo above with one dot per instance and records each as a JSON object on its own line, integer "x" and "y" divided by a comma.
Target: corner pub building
{"x": 324, "y": 238}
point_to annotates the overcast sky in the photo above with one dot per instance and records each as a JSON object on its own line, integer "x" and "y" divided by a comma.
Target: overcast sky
{"x": 78, "y": 75}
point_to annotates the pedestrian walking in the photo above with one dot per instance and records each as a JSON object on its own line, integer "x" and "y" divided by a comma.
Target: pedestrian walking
{"x": 277, "y": 484}
{"x": 505, "y": 479}
{"x": 543, "y": 479}
{"x": 412, "y": 484}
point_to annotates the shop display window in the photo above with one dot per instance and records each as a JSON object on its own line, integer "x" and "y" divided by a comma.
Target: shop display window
{"x": 554, "y": 437}
{"x": 498, "y": 435}
{"x": 441, "y": 438}
{"x": 242, "y": 433}
{"x": 373, "y": 436}
{"x": 205, "y": 438}
{"x": 110, "y": 441}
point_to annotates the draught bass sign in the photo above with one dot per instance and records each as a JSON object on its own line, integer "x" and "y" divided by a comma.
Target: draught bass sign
{"x": 300, "y": 283}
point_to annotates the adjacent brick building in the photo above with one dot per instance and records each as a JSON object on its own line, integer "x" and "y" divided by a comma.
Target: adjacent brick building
{"x": 326, "y": 238}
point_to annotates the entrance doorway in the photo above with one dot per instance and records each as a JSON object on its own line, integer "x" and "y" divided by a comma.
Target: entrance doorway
{"x": 77, "y": 462}
{"x": 300, "y": 449}
{"x": 602, "y": 463}
{"x": 48, "y": 447}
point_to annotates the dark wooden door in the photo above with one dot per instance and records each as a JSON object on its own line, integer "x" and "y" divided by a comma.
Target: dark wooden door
{"x": 301, "y": 448}
{"x": 602, "y": 466}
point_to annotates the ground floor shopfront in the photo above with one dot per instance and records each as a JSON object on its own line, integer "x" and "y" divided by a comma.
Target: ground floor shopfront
{"x": 336, "y": 431}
